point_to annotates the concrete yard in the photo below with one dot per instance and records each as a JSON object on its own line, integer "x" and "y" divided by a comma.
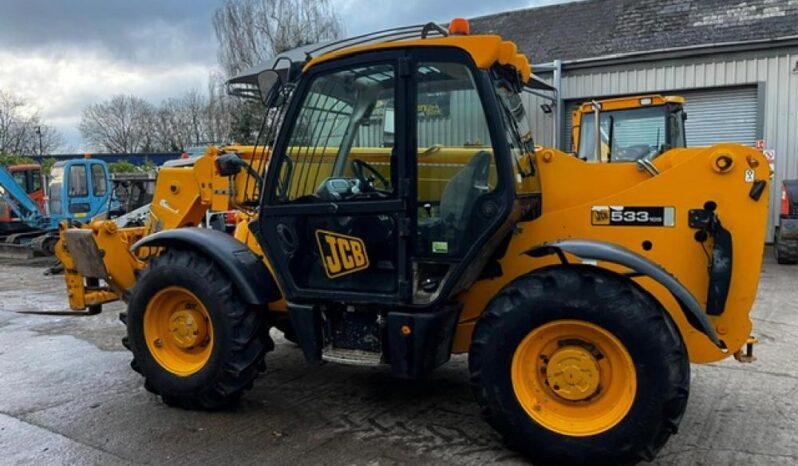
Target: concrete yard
{"x": 68, "y": 396}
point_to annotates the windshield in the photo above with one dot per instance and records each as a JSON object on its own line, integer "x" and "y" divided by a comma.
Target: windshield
{"x": 626, "y": 135}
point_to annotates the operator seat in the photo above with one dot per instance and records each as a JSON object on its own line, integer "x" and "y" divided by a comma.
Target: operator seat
{"x": 457, "y": 202}
{"x": 460, "y": 193}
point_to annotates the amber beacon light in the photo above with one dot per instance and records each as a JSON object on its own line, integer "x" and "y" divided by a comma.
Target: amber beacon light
{"x": 459, "y": 26}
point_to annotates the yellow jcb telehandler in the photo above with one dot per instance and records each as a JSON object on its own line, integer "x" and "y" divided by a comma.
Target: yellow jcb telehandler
{"x": 405, "y": 215}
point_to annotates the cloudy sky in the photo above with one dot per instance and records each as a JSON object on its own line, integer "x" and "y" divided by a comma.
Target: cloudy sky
{"x": 63, "y": 55}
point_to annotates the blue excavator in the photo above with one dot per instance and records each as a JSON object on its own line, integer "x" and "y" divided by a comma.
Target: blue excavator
{"x": 78, "y": 190}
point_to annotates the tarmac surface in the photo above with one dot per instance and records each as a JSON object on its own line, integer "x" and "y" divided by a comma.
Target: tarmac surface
{"x": 68, "y": 396}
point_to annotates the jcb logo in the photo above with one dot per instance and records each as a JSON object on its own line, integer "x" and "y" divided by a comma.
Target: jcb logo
{"x": 600, "y": 215}
{"x": 341, "y": 254}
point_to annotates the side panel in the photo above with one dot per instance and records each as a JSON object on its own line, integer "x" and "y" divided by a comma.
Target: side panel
{"x": 688, "y": 180}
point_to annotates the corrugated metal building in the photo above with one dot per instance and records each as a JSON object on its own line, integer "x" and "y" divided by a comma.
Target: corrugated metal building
{"x": 736, "y": 63}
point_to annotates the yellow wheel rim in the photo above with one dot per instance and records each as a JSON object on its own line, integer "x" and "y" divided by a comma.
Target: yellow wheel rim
{"x": 574, "y": 378}
{"x": 178, "y": 331}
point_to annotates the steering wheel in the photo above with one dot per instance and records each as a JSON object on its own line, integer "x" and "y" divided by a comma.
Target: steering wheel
{"x": 360, "y": 167}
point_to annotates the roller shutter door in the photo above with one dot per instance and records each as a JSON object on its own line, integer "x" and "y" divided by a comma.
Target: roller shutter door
{"x": 721, "y": 115}
{"x": 713, "y": 116}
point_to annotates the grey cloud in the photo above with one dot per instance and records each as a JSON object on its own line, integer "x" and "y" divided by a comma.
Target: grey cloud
{"x": 136, "y": 30}
{"x": 62, "y": 55}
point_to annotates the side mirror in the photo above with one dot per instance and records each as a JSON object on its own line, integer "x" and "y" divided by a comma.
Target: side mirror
{"x": 269, "y": 84}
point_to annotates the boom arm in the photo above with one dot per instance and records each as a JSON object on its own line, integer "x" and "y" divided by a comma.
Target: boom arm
{"x": 101, "y": 250}
{"x": 15, "y": 196}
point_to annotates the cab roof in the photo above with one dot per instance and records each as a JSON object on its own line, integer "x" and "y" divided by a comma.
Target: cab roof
{"x": 619, "y": 103}
{"x": 486, "y": 50}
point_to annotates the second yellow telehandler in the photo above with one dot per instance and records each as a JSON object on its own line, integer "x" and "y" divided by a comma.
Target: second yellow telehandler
{"x": 628, "y": 129}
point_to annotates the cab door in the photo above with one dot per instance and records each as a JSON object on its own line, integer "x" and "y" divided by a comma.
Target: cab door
{"x": 78, "y": 200}
{"x": 391, "y": 181}
{"x": 334, "y": 216}
{"x": 100, "y": 191}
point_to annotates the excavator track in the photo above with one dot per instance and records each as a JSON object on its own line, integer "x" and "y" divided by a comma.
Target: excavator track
{"x": 23, "y": 245}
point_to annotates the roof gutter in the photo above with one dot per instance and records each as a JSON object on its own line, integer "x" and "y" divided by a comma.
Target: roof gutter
{"x": 677, "y": 52}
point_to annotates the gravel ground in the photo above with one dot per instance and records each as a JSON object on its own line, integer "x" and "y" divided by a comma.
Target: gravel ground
{"x": 68, "y": 396}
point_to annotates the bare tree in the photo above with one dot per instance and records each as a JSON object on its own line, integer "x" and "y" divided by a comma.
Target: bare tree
{"x": 192, "y": 119}
{"x": 252, "y": 31}
{"x": 22, "y": 131}
{"x": 168, "y": 126}
{"x": 221, "y": 109}
{"x": 121, "y": 124}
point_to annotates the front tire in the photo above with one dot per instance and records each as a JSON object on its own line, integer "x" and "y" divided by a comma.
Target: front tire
{"x": 577, "y": 365}
{"x": 197, "y": 344}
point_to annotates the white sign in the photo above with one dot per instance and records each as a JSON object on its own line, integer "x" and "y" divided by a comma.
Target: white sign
{"x": 770, "y": 154}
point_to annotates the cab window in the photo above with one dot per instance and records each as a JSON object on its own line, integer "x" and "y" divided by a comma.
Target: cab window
{"x": 455, "y": 160}
{"x": 55, "y": 187}
{"x": 341, "y": 145}
{"x": 19, "y": 178}
{"x": 36, "y": 180}
{"x": 98, "y": 182}
{"x": 518, "y": 132}
{"x": 626, "y": 135}
{"x": 78, "y": 183}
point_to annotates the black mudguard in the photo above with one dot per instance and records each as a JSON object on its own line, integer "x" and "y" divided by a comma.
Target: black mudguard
{"x": 608, "y": 252}
{"x": 244, "y": 268}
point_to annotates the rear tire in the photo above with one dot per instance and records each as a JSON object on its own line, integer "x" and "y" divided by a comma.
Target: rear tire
{"x": 230, "y": 339}
{"x": 786, "y": 251}
{"x": 605, "y": 321}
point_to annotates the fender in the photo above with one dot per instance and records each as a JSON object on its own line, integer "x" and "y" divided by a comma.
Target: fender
{"x": 608, "y": 252}
{"x": 245, "y": 269}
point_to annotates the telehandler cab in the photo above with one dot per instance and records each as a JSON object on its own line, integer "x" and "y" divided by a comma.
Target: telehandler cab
{"x": 405, "y": 215}
{"x": 629, "y": 129}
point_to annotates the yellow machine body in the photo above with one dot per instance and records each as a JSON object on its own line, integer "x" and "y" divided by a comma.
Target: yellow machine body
{"x": 572, "y": 188}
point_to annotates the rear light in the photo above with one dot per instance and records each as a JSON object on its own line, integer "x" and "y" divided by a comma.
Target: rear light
{"x": 230, "y": 217}
{"x": 785, "y": 202}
